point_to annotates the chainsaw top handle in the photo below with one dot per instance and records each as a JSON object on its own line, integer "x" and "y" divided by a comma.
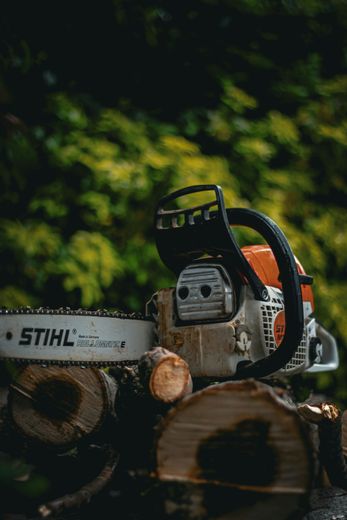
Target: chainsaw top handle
{"x": 202, "y": 231}
{"x": 184, "y": 235}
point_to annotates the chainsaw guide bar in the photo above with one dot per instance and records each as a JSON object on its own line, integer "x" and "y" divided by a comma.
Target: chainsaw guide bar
{"x": 73, "y": 337}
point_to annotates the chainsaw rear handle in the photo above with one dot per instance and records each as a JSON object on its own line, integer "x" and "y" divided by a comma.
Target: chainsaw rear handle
{"x": 202, "y": 231}
{"x": 180, "y": 243}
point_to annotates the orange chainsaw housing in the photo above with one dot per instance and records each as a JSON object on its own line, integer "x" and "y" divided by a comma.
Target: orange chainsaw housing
{"x": 263, "y": 262}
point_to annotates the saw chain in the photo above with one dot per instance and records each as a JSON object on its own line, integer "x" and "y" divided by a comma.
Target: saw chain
{"x": 74, "y": 337}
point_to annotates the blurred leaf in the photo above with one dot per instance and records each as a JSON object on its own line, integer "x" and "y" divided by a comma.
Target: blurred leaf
{"x": 89, "y": 264}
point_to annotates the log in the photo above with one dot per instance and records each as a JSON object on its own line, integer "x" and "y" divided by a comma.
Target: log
{"x": 165, "y": 375}
{"x": 57, "y": 407}
{"x": 344, "y": 433}
{"x": 234, "y": 450}
{"x": 331, "y": 453}
{"x": 137, "y": 411}
{"x": 3, "y": 406}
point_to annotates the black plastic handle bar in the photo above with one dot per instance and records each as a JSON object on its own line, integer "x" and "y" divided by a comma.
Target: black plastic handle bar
{"x": 204, "y": 231}
{"x": 291, "y": 288}
{"x": 201, "y": 232}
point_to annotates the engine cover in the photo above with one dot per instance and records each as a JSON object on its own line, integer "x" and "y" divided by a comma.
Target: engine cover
{"x": 202, "y": 322}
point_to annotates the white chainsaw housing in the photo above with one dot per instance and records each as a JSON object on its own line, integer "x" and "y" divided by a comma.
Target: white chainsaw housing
{"x": 250, "y": 331}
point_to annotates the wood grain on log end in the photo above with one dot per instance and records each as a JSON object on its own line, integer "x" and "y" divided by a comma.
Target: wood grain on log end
{"x": 58, "y": 406}
{"x": 237, "y": 436}
{"x": 165, "y": 375}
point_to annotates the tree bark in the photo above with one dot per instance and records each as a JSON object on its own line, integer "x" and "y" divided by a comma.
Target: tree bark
{"x": 328, "y": 503}
{"x": 344, "y": 433}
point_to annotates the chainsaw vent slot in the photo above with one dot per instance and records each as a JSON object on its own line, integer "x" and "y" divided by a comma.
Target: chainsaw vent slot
{"x": 269, "y": 312}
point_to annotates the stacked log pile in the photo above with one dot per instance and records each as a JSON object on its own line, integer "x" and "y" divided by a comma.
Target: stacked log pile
{"x": 230, "y": 450}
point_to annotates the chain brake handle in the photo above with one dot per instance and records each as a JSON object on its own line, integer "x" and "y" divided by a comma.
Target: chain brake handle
{"x": 204, "y": 231}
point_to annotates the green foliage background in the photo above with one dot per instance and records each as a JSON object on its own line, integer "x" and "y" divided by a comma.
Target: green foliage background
{"x": 106, "y": 107}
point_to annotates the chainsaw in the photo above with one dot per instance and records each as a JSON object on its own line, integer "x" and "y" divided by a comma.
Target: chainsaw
{"x": 235, "y": 312}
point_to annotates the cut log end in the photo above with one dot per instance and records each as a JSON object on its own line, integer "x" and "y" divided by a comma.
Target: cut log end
{"x": 316, "y": 413}
{"x": 165, "y": 375}
{"x": 58, "y": 406}
{"x": 331, "y": 439}
{"x": 239, "y": 436}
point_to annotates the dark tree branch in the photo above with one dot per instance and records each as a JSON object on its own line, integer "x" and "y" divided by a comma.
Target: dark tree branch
{"x": 85, "y": 493}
